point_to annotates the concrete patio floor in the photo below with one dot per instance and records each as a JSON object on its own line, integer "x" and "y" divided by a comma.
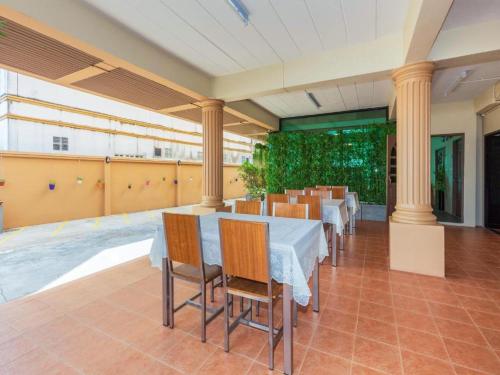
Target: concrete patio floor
{"x": 371, "y": 320}
{"x": 40, "y": 257}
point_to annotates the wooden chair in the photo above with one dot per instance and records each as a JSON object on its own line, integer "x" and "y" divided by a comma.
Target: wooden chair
{"x": 324, "y": 194}
{"x": 271, "y": 198}
{"x": 293, "y": 193}
{"x": 183, "y": 238}
{"x": 227, "y": 208}
{"x": 314, "y": 203}
{"x": 247, "y": 273}
{"x": 249, "y": 207}
{"x": 323, "y": 187}
{"x": 307, "y": 190}
{"x": 294, "y": 211}
{"x": 338, "y": 192}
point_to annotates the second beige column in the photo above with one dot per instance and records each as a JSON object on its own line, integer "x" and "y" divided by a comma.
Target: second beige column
{"x": 213, "y": 153}
{"x": 413, "y": 90}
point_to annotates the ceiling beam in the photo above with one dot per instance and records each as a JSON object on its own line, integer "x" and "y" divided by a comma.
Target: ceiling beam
{"x": 358, "y": 63}
{"x": 422, "y": 25}
{"x": 91, "y": 71}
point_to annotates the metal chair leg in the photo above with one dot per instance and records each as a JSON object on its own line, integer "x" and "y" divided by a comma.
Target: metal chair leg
{"x": 231, "y": 310}
{"x": 257, "y": 309}
{"x": 270, "y": 323}
{"x": 171, "y": 301}
{"x": 241, "y": 304}
{"x": 226, "y": 322}
{"x": 212, "y": 293}
{"x": 203, "y": 311}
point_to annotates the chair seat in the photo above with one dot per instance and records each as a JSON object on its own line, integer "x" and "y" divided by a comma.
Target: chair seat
{"x": 252, "y": 289}
{"x": 192, "y": 273}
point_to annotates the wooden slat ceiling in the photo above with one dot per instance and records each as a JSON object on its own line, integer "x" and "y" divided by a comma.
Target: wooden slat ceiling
{"x": 124, "y": 85}
{"x": 25, "y": 49}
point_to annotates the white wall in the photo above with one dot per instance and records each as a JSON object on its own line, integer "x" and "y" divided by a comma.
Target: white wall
{"x": 492, "y": 121}
{"x": 460, "y": 117}
{"x": 28, "y": 136}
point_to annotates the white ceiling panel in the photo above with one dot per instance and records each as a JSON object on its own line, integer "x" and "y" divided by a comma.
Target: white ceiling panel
{"x": 466, "y": 12}
{"x": 297, "y": 20}
{"x": 360, "y": 16}
{"x": 390, "y": 16}
{"x": 329, "y": 20}
{"x": 481, "y": 77}
{"x": 332, "y": 99}
{"x": 248, "y": 36}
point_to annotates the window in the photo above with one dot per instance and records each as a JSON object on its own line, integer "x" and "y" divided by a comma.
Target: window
{"x": 244, "y": 159}
{"x": 157, "y": 152}
{"x": 60, "y": 143}
{"x": 199, "y": 155}
{"x": 227, "y": 158}
{"x": 168, "y": 153}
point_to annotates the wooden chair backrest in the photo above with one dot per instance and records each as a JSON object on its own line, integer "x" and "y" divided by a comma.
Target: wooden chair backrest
{"x": 245, "y": 249}
{"x": 307, "y": 190}
{"x": 248, "y": 207}
{"x": 182, "y": 233}
{"x": 323, "y": 187}
{"x": 224, "y": 209}
{"x": 293, "y": 193}
{"x": 338, "y": 192}
{"x": 324, "y": 194}
{"x": 271, "y": 198}
{"x": 314, "y": 202}
{"x": 295, "y": 211}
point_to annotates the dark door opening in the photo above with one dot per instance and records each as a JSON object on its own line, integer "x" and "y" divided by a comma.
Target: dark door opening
{"x": 492, "y": 180}
{"x": 391, "y": 174}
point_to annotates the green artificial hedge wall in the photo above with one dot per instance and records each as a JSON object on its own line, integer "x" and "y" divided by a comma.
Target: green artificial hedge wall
{"x": 352, "y": 156}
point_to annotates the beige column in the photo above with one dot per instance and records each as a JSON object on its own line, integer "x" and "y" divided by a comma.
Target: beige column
{"x": 413, "y": 93}
{"x": 416, "y": 242}
{"x": 213, "y": 148}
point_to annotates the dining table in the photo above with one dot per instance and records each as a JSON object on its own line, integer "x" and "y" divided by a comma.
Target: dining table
{"x": 296, "y": 248}
{"x": 353, "y": 206}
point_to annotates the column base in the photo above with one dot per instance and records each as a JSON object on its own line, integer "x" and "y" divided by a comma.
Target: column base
{"x": 212, "y": 202}
{"x": 416, "y": 248}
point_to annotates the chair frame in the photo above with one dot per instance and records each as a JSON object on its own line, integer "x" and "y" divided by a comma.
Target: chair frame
{"x": 292, "y": 204}
{"x": 171, "y": 309}
{"x": 237, "y": 203}
{"x": 245, "y": 316}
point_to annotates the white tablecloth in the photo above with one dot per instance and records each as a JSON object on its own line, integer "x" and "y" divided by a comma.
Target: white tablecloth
{"x": 334, "y": 211}
{"x": 295, "y": 244}
{"x": 352, "y": 201}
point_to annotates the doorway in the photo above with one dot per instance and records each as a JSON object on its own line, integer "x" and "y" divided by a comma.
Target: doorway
{"x": 391, "y": 174}
{"x": 492, "y": 180}
{"x": 447, "y": 171}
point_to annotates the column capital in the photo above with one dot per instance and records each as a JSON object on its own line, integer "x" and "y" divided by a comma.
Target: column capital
{"x": 211, "y": 103}
{"x": 420, "y": 70}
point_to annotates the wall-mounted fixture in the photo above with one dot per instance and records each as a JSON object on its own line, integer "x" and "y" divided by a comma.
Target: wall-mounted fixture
{"x": 52, "y": 185}
{"x": 79, "y": 180}
{"x": 2, "y": 182}
{"x": 129, "y": 186}
{"x": 461, "y": 77}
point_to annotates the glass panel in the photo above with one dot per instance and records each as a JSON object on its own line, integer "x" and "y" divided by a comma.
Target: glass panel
{"x": 447, "y": 171}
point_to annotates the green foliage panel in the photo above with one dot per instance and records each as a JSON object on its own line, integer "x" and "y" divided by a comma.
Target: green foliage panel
{"x": 353, "y": 157}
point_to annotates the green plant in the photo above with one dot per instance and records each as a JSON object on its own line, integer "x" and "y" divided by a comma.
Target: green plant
{"x": 354, "y": 156}
{"x": 253, "y": 173}
{"x": 440, "y": 181}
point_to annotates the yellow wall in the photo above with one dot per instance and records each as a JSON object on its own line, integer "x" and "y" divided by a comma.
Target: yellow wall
{"x": 27, "y": 199}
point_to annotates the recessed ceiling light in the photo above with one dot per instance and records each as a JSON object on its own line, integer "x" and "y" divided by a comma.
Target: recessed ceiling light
{"x": 240, "y": 9}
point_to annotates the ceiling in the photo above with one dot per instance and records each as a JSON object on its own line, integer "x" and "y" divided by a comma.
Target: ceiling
{"x": 466, "y": 12}
{"x": 481, "y": 77}
{"x": 209, "y": 35}
{"x": 332, "y": 99}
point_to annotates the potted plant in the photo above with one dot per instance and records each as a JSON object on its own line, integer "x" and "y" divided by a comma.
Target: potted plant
{"x": 254, "y": 180}
{"x": 52, "y": 184}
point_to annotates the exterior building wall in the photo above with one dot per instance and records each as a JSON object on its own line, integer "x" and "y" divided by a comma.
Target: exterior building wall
{"x": 96, "y": 126}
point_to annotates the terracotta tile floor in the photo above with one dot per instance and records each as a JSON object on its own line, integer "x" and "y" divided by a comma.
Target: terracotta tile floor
{"x": 372, "y": 321}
